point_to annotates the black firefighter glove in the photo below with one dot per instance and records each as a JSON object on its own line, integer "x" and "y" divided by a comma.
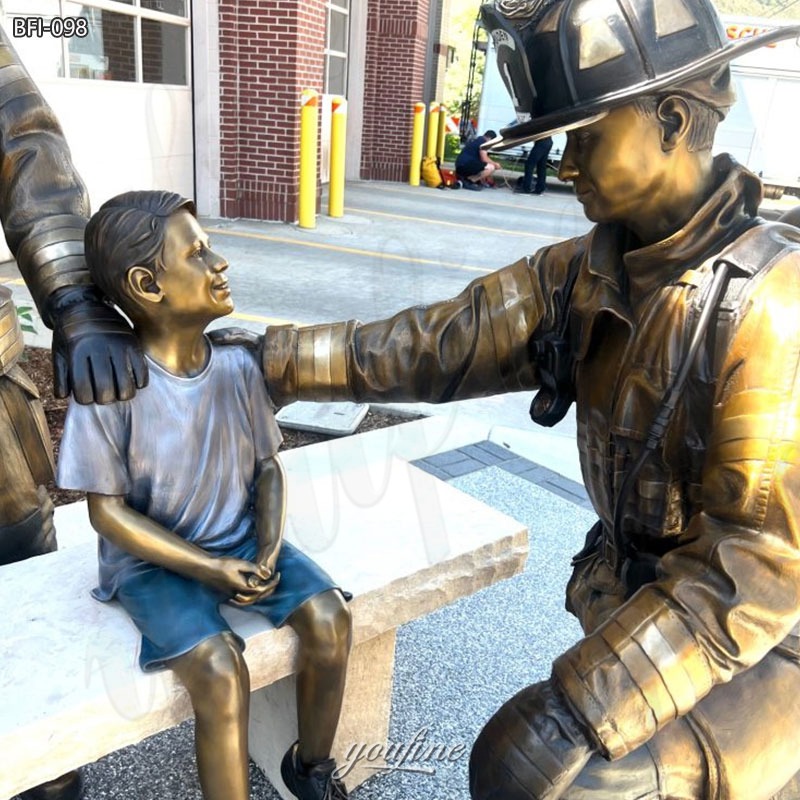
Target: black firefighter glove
{"x": 95, "y": 353}
{"x": 531, "y": 749}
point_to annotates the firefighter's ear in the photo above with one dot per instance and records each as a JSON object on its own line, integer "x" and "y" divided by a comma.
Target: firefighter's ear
{"x": 675, "y": 117}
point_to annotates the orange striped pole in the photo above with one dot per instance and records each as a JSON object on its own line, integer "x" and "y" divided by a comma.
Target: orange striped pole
{"x": 416, "y": 143}
{"x": 338, "y": 147}
{"x": 309, "y": 117}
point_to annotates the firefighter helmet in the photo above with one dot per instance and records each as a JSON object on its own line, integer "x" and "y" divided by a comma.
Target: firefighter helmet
{"x": 566, "y": 63}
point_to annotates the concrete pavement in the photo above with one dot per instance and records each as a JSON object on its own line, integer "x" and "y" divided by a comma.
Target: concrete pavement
{"x": 396, "y": 246}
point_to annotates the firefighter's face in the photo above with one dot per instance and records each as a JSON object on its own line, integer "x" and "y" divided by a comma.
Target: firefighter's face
{"x": 618, "y": 165}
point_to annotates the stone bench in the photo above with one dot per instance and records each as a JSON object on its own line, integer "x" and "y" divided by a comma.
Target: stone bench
{"x": 402, "y": 541}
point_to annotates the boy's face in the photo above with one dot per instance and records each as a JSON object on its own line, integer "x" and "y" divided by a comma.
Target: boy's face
{"x": 193, "y": 281}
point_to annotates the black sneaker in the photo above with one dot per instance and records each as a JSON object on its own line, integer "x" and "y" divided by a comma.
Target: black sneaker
{"x": 67, "y": 787}
{"x": 311, "y": 783}
{"x": 472, "y": 186}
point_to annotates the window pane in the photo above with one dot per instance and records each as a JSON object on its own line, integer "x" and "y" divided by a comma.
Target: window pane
{"x": 341, "y": 3}
{"x": 177, "y": 7}
{"x": 336, "y": 78}
{"x": 14, "y": 8}
{"x": 41, "y": 55}
{"x": 163, "y": 53}
{"x": 337, "y": 31}
{"x": 108, "y": 52}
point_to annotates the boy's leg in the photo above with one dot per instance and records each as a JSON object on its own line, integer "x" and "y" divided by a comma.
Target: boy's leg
{"x": 324, "y": 628}
{"x": 306, "y": 599}
{"x": 216, "y": 677}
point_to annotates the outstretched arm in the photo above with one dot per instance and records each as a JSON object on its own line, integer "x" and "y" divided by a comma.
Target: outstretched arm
{"x": 44, "y": 207}
{"x": 474, "y": 345}
{"x": 144, "y": 538}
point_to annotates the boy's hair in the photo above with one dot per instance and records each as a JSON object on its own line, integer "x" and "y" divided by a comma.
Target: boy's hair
{"x": 128, "y": 231}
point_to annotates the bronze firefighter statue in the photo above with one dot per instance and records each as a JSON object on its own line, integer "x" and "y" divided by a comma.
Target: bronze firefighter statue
{"x": 674, "y": 325}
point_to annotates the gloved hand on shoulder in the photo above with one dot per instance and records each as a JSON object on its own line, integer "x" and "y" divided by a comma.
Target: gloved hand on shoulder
{"x": 96, "y": 354}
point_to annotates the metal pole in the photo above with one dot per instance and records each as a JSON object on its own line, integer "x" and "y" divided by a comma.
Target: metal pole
{"x": 416, "y": 143}
{"x": 442, "y": 132}
{"x": 338, "y": 138}
{"x": 309, "y": 116}
{"x": 433, "y": 130}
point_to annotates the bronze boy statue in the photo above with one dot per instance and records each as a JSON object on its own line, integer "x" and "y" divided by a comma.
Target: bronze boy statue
{"x": 675, "y": 325}
{"x": 44, "y": 207}
{"x": 188, "y": 496}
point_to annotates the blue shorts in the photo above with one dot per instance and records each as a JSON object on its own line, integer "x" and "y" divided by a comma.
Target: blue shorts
{"x": 175, "y": 614}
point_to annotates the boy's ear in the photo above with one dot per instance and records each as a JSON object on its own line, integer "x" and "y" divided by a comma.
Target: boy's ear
{"x": 142, "y": 285}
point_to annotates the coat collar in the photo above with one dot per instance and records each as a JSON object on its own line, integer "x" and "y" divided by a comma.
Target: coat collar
{"x": 615, "y": 279}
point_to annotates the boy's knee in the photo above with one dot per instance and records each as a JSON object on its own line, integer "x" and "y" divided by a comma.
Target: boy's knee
{"x": 326, "y": 629}
{"x": 215, "y": 668}
{"x": 224, "y": 661}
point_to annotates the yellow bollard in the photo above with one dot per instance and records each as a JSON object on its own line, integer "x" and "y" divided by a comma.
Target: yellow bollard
{"x": 307, "y": 202}
{"x": 416, "y": 143}
{"x": 338, "y": 147}
{"x": 442, "y": 132}
{"x": 433, "y": 130}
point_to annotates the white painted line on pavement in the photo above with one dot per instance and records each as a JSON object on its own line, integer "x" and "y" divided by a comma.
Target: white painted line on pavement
{"x": 349, "y": 250}
{"x": 482, "y": 228}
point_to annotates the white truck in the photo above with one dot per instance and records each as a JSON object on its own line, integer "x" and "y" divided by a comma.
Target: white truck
{"x": 496, "y": 110}
{"x": 762, "y": 130}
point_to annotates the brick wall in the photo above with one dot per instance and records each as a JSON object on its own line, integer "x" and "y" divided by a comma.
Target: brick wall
{"x": 397, "y": 32}
{"x": 269, "y": 53}
{"x": 118, "y": 46}
{"x": 152, "y": 52}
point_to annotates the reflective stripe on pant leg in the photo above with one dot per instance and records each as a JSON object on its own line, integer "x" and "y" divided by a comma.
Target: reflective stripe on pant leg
{"x": 669, "y": 767}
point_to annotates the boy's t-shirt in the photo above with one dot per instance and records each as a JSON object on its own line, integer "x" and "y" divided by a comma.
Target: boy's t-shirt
{"x": 183, "y": 451}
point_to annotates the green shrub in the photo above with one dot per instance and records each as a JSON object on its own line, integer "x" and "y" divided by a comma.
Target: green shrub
{"x": 452, "y": 146}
